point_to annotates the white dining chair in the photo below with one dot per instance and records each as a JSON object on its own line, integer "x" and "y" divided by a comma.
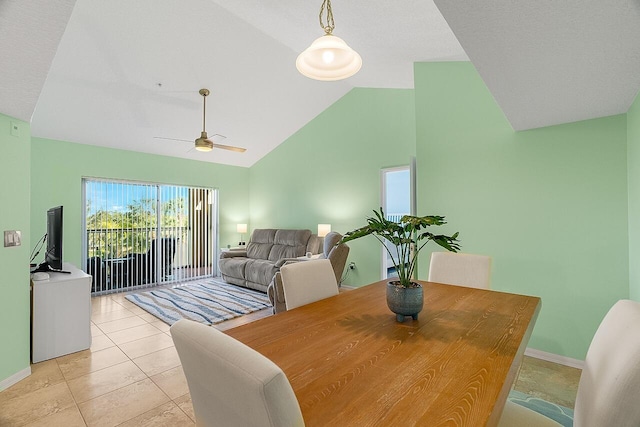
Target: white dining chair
{"x": 609, "y": 386}
{"x": 230, "y": 383}
{"x": 307, "y": 282}
{"x": 470, "y": 270}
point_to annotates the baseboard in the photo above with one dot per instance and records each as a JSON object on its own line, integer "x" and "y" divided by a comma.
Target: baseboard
{"x": 13, "y": 379}
{"x": 555, "y": 358}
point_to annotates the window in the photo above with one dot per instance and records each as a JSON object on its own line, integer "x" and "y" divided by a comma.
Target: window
{"x": 142, "y": 234}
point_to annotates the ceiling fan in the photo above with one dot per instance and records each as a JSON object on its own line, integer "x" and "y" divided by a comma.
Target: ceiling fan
{"x": 204, "y": 143}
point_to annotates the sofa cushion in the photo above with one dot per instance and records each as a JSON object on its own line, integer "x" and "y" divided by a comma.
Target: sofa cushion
{"x": 261, "y": 243}
{"x": 315, "y": 244}
{"x": 233, "y": 267}
{"x": 289, "y": 244}
{"x": 260, "y": 271}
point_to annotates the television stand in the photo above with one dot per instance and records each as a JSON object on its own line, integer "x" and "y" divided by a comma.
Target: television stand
{"x": 46, "y": 268}
{"x": 60, "y": 314}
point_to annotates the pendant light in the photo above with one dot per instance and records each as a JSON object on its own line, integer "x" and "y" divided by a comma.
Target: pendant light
{"x": 329, "y": 57}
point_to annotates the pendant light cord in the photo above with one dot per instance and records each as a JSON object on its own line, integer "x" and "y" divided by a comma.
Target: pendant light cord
{"x": 330, "y": 25}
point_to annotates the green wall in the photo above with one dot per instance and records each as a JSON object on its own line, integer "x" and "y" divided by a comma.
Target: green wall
{"x": 329, "y": 171}
{"x": 549, "y": 205}
{"x": 633, "y": 164}
{"x": 14, "y": 261}
{"x": 57, "y": 169}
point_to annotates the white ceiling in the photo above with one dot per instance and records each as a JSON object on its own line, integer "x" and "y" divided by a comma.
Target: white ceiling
{"x": 126, "y": 71}
{"x": 29, "y": 36}
{"x": 548, "y": 62}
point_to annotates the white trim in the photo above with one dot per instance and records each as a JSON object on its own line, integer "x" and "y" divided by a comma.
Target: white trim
{"x": 13, "y": 379}
{"x": 413, "y": 177}
{"x": 555, "y": 358}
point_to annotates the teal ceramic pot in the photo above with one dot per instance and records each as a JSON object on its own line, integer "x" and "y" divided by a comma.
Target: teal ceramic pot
{"x": 404, "y": 301}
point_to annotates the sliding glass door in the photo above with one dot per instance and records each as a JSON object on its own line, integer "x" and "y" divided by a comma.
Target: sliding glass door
{"x": 142, "y": 234}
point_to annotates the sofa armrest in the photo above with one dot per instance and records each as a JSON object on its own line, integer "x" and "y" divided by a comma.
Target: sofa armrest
{"x": 276, "y": 294}
{"x": 233, "y": 254}
{"x": 283, "y": 261}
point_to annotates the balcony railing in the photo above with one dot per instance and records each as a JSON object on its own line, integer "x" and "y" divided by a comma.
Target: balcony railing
{"x": 109, "y": 243}
{"x": 395, "y": 217}
{"x": 121, "y": 259}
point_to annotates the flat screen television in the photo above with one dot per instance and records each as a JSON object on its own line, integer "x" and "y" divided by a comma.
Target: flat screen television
{"x": 53, "y": 255}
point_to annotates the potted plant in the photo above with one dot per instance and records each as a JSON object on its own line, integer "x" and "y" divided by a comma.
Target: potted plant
{"x": 409, "y": 236}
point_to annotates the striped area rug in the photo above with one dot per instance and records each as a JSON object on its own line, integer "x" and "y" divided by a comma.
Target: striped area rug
{"x": 207, "y": 301}
{"x": 560, "y": 414}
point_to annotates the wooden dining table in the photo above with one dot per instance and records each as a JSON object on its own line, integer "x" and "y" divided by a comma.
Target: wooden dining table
{"x": 350, "y": 362}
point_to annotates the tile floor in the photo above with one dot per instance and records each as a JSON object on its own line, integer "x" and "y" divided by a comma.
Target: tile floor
{"x": 131, "y": 376}
{"x": 549, "y": 381}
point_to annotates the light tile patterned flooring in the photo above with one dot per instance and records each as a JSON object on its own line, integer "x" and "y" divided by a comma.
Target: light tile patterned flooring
{"x": 131, "y": 376}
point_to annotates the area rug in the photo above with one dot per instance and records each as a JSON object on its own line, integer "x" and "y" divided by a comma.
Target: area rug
{"x": 207, "y": 301}
{"x": 559, "y": 414}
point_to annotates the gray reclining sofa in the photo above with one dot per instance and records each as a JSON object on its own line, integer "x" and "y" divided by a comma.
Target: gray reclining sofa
{"x": 267, "y": 250}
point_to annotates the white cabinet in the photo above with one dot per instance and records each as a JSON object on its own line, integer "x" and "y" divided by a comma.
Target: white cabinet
{"x": 60, "y": 314}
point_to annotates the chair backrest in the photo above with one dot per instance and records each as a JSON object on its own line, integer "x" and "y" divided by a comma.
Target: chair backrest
{"x": 609, "y": 388}
{"x": 315, "y": 244}
{"x": 336, "y": 254}
{"x": 308, "y": 281}
{"x": 95, "y": 267}
{"x": 167, "y": 247}
{"x": 473, "y": 271}
{"x": 231, "y": 384}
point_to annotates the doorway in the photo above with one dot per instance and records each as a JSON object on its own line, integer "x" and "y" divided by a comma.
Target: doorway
{"x": 397, "y": 200}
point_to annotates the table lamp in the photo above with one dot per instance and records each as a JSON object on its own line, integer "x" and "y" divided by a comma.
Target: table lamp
{"x": 241, "y": 228}
{"x": 323, "y": 229}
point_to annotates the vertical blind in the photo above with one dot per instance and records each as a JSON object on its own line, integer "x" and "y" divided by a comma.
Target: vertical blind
{"x": 143, "y": 234}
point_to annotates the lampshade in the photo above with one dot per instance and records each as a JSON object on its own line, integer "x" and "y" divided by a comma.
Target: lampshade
{"x": 329, "y": 58}
{"x": 324, "y": 229}
{"x": 241, "y": 228}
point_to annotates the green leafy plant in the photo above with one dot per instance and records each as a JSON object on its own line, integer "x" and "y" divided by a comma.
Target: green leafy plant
{"x": 409, "y": 237}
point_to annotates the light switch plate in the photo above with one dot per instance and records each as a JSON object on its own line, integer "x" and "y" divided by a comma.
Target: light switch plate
{"x": 12, "y": 238}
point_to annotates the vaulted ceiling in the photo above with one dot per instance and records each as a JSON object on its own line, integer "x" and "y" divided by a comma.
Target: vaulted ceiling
{"x": 120, "y": 73}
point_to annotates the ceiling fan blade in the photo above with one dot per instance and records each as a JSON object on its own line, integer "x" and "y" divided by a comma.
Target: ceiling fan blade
{"x": 173, "y": 139}
{"x": 230, "y": 148}
{"x": 204, "y": 143}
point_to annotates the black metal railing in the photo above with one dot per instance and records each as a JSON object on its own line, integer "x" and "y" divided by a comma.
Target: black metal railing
{"x": 109, "y": 243}
{"x": 121, "y": 259}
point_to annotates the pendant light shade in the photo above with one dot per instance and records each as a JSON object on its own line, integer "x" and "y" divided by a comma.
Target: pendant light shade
{"x": 329, "y": 58}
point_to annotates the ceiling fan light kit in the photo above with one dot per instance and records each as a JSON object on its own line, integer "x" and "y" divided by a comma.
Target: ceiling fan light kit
{"x": 203, "y": 143}
{"x": 328, "y": 58}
